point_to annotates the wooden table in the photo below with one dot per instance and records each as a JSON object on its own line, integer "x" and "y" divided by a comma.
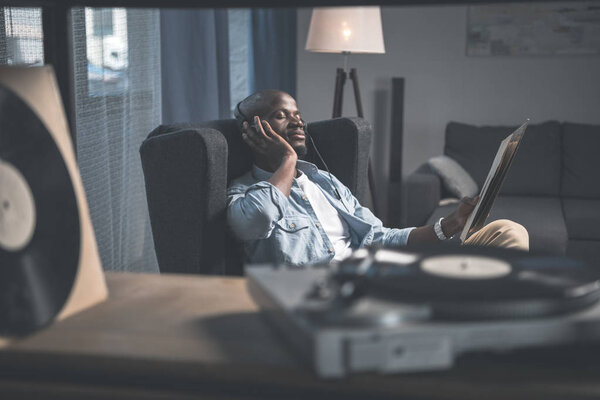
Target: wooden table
{"x": 176, "y": 336}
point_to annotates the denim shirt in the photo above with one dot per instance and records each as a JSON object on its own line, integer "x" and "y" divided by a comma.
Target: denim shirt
{"x": 276, "y": 229}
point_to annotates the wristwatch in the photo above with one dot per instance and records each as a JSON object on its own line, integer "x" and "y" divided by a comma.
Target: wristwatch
{"x": 437, "y": 227}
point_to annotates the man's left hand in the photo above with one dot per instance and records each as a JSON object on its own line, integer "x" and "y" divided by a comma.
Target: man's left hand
{"x": 456, "y": 221}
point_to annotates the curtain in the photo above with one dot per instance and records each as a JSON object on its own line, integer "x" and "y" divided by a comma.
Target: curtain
{"x": 212, "y": 59}
{"x": 118, "y": 102}
{"x": 195, "y": 65}
{"x": 273, "y": 50}
{"x": 239, "y": 54}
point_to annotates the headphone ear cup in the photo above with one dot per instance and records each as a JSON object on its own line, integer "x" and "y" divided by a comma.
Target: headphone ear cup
{"x": 237, "y": 113}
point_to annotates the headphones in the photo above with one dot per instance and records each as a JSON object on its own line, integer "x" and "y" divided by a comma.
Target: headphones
{"x": 241, "y": 118}
{"x": 239, "y": 115}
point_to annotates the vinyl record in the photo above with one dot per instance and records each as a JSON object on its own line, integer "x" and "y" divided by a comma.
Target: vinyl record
{"x": 39, "y": 221}
{"x": 474, "y": 283}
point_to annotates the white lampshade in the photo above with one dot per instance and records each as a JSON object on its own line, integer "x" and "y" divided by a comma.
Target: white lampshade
{"x": 345, "y": 29}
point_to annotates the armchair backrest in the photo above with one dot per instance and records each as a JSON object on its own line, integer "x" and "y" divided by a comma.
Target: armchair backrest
{"x": 188, "y": 166}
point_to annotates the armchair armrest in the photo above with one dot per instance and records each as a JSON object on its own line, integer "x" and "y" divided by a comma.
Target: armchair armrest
{"x": 422, "y": 195}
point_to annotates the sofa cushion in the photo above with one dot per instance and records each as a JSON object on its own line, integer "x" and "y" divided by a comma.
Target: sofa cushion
{"x": 541, "y": 216}
{"x": 583, "y": 218}
{"x": 455, "y": 179}
{"x": 585, "y": 250}
{"x": 581, "y": 164}
{"x": 537, "y": 165}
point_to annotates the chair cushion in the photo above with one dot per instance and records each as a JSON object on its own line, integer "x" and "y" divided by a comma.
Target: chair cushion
{"x": 581, "y": 164}
{"x": 541, "y": 216}
{"x": 537, "y": 164}
{"x": 583, "y": 218}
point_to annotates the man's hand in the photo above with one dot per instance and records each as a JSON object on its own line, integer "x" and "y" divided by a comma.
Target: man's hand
{"x": 269, "y": 148}
{"x": 455, "y": 222}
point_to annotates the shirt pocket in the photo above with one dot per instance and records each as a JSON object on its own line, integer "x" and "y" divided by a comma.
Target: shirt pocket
{"x": 294, "y": 242}
{"x": 293, "y": 223}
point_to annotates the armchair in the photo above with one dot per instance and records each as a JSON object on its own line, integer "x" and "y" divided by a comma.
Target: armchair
{"x": 187, "y": 168}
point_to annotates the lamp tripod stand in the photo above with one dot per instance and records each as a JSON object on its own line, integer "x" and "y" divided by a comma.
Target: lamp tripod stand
{"x": 340, "y": 80}
{"x": 338, "y": 99}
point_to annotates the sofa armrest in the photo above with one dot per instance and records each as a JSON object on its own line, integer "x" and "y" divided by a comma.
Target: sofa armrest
{"x": 345, "y": 144}
{"x": 422, "y": 190}
{"x": 185, "y": 175}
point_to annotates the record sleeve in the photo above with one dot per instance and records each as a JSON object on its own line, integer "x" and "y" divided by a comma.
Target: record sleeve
{"x": 55, "y": 238}
{"x": 493, "y": 182}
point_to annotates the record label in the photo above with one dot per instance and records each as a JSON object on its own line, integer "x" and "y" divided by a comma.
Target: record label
{"x": 466, "y": 267}
{"x": 17, "y": 209}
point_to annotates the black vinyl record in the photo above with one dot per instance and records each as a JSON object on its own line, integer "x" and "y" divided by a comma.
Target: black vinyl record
{"x": 39, "y": 257}
{"x": 475, "y": 283}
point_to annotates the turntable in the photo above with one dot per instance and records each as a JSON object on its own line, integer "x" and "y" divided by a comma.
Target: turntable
{"x": 418, "y": 309}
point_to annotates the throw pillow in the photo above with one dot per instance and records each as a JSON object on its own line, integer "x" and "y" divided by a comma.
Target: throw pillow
{"x": 454, "y": 177}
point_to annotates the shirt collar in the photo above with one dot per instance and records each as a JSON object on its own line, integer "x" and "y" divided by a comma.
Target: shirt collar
{"x": 304, "y": 166}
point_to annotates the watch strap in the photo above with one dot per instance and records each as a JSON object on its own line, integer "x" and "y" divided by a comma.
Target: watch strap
{"x": 437, "y": 227}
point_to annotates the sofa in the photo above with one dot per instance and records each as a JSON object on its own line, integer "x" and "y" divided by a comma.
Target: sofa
{"x": 187, "y": 168}
{"x": 552, "y": 188}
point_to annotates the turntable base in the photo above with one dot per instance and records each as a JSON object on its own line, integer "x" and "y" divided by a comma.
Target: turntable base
{"x": 182, "y": 337}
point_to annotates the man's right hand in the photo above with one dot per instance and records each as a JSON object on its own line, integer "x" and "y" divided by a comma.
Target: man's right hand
{"x": 267, "y": 145}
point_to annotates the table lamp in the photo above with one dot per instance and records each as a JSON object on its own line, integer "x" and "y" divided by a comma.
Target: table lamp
{"x": 346, "y": 30}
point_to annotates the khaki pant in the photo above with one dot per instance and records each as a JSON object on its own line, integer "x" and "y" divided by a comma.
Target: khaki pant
{"x": 501, "y": 233}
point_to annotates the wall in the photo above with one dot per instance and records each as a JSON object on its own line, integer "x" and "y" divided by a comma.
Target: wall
{"x": 426, "y": 46}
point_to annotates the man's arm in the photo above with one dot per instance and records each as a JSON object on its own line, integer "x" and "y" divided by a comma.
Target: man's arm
{"x": 451, "y": 225}
{"x": 252, "y": 211}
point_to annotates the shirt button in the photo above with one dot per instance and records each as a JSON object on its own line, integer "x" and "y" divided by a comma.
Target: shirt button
{"x": 318, "y": 224}
{"x": 292, "y": 226}
{"x": 331, "y": 249}
{"x": 304, "y": 197}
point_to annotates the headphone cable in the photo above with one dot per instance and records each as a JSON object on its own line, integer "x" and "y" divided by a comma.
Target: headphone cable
{"x": 337, "y": 194}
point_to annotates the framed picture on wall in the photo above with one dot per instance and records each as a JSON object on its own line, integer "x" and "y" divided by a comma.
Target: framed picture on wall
{"x": 534, "y": 29}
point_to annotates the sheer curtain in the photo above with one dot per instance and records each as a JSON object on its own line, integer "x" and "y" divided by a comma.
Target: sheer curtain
{"x": 118, "y": 102}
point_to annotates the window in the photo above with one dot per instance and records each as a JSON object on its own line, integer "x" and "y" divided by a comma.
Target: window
{"x": 106, "y": 44}
{"x": 101, "y": 21}
{"x": 21, "y": 38}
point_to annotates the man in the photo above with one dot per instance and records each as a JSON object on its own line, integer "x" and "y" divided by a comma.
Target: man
{"x": 286, "y": 210}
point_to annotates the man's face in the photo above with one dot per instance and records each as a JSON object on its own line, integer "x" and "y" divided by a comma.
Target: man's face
{"x": 283, "y": 116}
